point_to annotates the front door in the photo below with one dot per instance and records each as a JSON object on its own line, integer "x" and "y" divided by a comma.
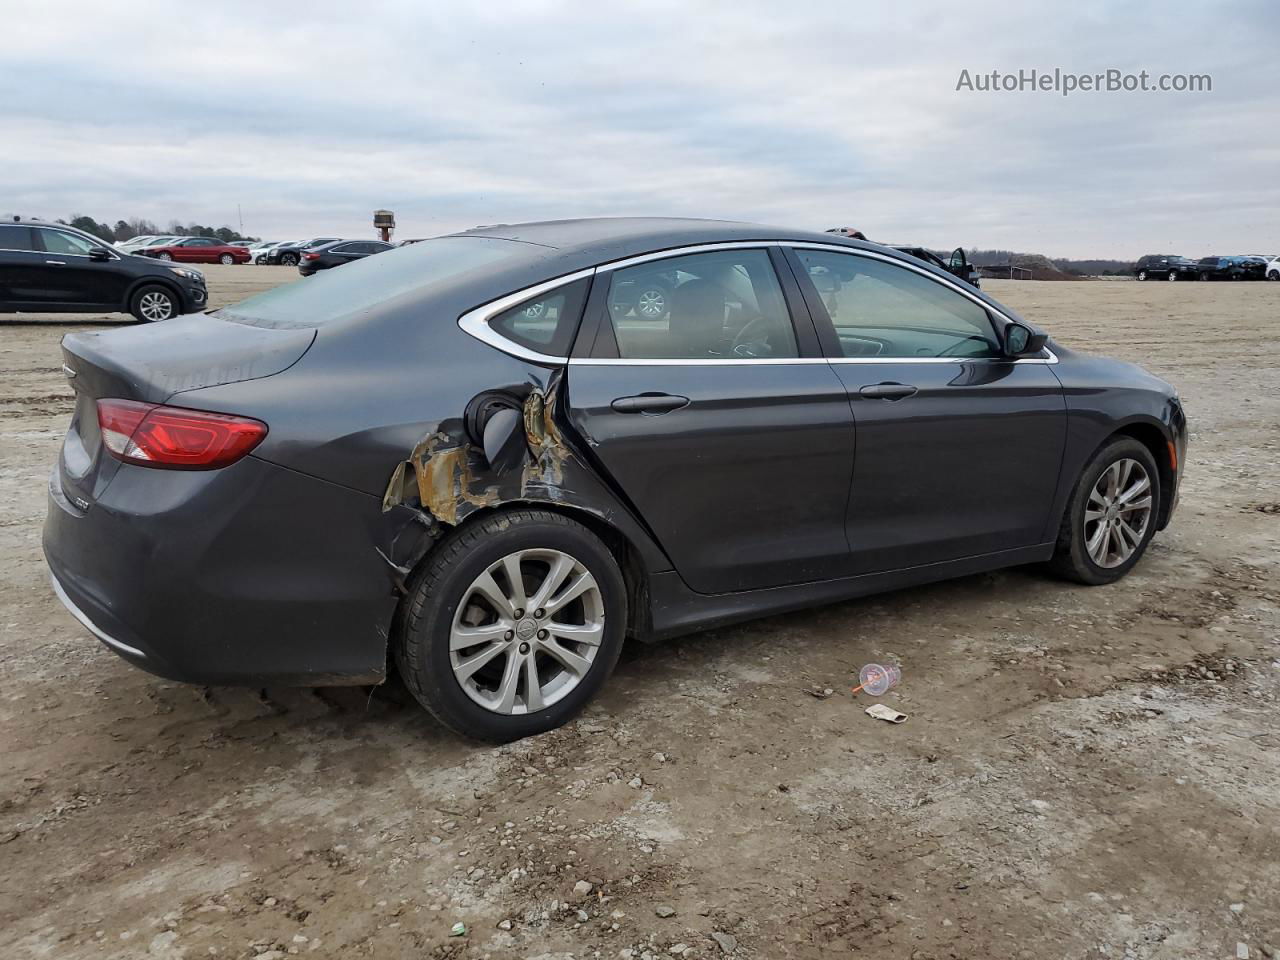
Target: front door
{"x": 67, "y": 277}
{"x": 959, "y": 448}
{"x": 717, "y": 419}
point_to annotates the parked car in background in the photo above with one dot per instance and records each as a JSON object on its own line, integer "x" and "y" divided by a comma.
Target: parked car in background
{"x": 51, "y": 268}
{"x": 260, "y": 256}
{"x": 137, "y": 246}
{"x": 1231, "y": 268}
{"x": 135, "y": 241}
{"x": 254, "y": 247}
{"x": 338, "y": 484}
{"x": 1165, "y": 266}
{"x": 1273, "y": 269}
{"x": 957, "y": 264}
{"x": 336, "y": 253}
{"x": 290, "y": 254}
{"x": 197, "y": 250}
{"x": 852, "y": 232}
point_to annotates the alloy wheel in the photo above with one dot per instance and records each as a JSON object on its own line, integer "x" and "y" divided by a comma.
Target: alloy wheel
{"x": 227, "y": 258}
{"x": 165, "y": 256}
{"x": 652, "y": 303}
{"x": 1173, "y": 275}
{"x": 155, "y": 306}
{"x": 526, "y": 631}
{"x": 1142, "y": 274}
{"x": 1117, "y": 514}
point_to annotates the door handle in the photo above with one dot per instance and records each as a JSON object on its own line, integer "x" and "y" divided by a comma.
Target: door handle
{"x": 888, "y": 391}
{"x": 57, "y": 263}
{"x": 650, "y": 403}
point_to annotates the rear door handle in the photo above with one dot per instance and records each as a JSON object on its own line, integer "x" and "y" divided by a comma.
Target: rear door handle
{"x": 57, "y": 263}
{"x": 650, "y": 403}
{"x": 888, "y": 391}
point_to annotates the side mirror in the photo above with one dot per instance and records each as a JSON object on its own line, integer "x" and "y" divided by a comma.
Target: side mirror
{"x": 99, "y": 254}
{"x": 1020, "y": 341}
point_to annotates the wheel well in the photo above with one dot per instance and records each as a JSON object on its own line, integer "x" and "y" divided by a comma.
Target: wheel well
{"x": 624, "y": 552}
{"x": 173, "y": 288}
{"x": 1151, "y": 437}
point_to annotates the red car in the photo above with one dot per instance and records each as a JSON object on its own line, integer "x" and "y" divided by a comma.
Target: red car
{"x": 198, "y": 250}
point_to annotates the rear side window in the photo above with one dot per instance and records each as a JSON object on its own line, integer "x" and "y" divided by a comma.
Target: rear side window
{"x": 332, "y": 295}
{"x": 703, "y": 306}
{"x": 546, "y": 324}
{"x": 884, "y": 310}
{"x": 14, "y": 237}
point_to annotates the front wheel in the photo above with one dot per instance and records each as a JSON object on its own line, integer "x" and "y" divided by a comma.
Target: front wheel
{"x": 153, "y": 303}
{"x": 1173, "y": 275}
{"x": 1111, "y": 516}
{"x": 512, "y": 624}
{"x": 1204, "y": 276}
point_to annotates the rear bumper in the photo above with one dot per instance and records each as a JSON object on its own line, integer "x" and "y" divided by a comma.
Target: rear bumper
{"x": 250, "y": 575}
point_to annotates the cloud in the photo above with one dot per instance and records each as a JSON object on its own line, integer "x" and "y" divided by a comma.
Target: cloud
{"x": 821, "y": 115}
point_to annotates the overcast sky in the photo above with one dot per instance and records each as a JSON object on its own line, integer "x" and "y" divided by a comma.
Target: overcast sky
{"x": 308, "y": 116}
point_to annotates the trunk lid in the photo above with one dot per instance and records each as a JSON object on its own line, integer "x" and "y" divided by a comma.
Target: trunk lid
{"x": 150, "y": 363}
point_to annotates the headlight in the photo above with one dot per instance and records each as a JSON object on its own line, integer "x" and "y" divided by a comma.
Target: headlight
{"x": 195, "y": 275}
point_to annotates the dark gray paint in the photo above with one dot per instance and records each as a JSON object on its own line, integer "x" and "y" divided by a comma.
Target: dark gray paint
{"x": 777, "y": 486}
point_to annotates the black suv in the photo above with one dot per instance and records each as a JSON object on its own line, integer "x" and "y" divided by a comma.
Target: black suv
{"x": 1232, "y": 268}
{"x": 51, "y": 268}
{"x": 957, "y": 264}
{"x": 1165, "y": 266}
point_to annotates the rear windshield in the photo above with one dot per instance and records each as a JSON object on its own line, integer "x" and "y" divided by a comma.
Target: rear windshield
{"x": 332, "y": 295}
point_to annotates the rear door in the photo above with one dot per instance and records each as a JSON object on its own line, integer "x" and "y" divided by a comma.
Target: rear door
{"x": 716, "y": 417}
{"x": 959, "y": 449}
{"x": 19, "y": 263}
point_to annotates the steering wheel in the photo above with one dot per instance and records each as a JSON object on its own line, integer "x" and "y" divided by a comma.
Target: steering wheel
{"x": 964, "y": 339}
{"x": 743, "y": 341}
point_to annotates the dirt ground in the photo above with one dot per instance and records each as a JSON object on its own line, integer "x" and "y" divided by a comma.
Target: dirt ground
{"x": 1086, "y": 772}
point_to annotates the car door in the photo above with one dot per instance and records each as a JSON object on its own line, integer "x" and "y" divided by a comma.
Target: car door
{"x": 958, "y": 448}
{"x": 69, "y": 278}
{"x": 717, "y": 418}
{"x": 19, "y": 267}
{"x": 197, "y": 250}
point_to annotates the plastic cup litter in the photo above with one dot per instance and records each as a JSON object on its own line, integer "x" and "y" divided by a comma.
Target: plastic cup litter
{"x": 878, "y": 680}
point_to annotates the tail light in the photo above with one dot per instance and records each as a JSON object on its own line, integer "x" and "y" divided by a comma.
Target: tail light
{"x": 174, "y": 438}
{"x": 311, "y": 256}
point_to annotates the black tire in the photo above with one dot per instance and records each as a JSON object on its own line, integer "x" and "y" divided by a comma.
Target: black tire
{"x": 144, "y": 304}
{"x": 421, "y": 641}
{"x": 1071, "y": 559}
{"x": 1204, "y": 276}
{"x": 288, "y": 259}
{"x": 226, "y": 259}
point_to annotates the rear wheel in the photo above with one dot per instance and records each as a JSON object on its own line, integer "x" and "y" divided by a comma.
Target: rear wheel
{"x": 164, "y": 256}
{"x": 227, "y": 259}
{"x": 152, "y": 303}
{"x": 1204, "y": 276}
{"x": 1111, "y": 515}
{"x": 1173, "y": 274}
{"x": 289, "y": 259}
{"x": 512, "y": 625}
{"x": 1142, "y": 274}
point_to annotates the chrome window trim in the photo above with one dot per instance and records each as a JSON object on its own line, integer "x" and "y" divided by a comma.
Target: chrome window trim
{"x": 476, "y": 322}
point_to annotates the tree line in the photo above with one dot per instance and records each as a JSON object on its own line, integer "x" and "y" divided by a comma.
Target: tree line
{"x": 138, "y": 227}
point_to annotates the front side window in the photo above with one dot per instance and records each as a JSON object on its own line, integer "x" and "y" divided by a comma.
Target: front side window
{"x": 704, "y": 306}
{"x": 68, "y": 244}
{"x": 881, "y": 309}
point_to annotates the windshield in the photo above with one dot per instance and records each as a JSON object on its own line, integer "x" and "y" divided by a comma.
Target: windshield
{"x": 335, "y": 294}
